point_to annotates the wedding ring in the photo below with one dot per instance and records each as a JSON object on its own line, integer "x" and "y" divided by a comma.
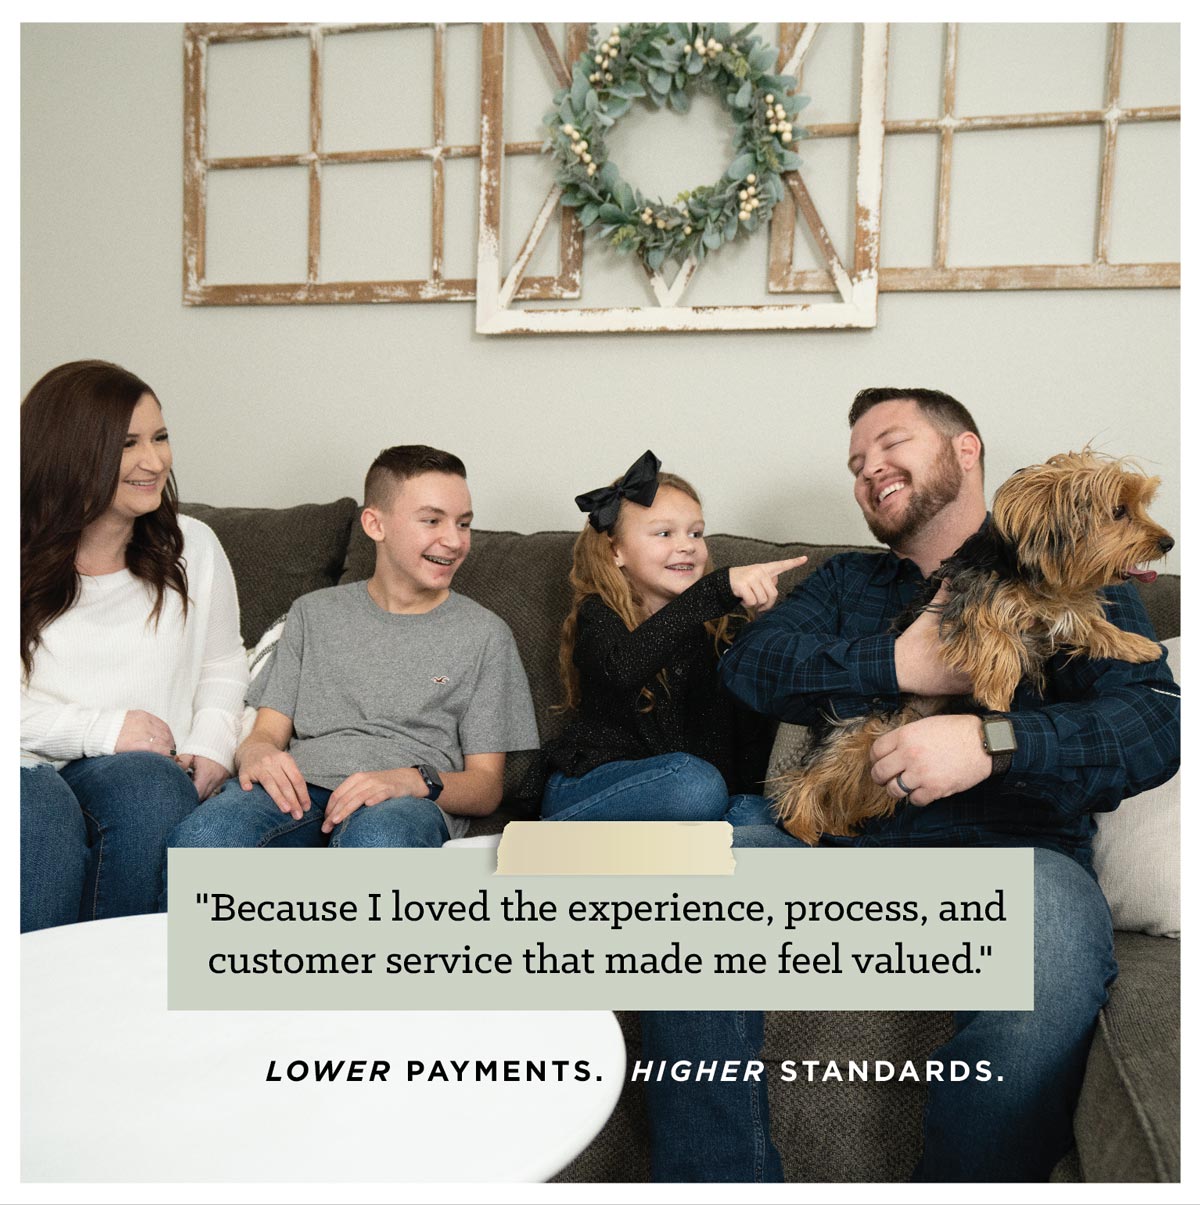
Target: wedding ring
{"x": 903, "y": 786}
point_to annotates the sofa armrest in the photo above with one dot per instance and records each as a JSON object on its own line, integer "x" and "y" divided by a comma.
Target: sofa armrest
{"x": 1127, "y": 1122}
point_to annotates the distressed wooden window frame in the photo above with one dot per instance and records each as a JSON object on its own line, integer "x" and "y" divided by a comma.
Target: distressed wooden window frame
{"x": 857, "y": 287}
{"x": 941, "y": 277}
{"x": 436, "y": 286}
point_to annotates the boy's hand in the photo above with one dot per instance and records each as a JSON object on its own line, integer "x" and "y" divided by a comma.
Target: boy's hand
{"x": 369, "y": 787}
{"x": 277, "y": 773}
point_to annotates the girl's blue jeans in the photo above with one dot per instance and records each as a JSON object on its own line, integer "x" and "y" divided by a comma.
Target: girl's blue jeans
{"x": 673, "y": 786}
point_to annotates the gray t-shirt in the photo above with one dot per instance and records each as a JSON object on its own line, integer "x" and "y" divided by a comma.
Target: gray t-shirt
{"x": 369, "y": 690}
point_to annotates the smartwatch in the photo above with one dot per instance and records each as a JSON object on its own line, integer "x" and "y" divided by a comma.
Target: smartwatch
{"x": 433, "y": 780}
{"x": 999, "y": 741}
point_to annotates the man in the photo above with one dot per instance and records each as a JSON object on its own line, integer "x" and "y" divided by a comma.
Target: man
{"x": 388, "y": 707}
{"x": 1102, "y": 731}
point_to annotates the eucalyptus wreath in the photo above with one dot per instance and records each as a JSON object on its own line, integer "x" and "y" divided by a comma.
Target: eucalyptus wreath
{"x": 662, "y": 64}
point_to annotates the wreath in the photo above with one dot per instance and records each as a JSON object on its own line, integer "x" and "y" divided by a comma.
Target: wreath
{"x": 663, "y": 63}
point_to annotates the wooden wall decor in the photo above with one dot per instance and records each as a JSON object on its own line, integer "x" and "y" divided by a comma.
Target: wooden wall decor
{"x": 435, "y": 286}
{"x": 940, "y": 275}
{"x": 850, "y": 283}
{"x": 855, "y": 286}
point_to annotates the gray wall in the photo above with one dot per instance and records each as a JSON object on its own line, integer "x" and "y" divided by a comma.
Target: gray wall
{"x": 276, "y": 405}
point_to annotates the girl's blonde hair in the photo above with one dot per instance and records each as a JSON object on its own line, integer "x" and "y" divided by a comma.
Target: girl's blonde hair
{"x": 594, "y": 572}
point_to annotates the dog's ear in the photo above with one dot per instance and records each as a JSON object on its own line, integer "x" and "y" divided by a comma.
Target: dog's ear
{"x": 1023, "y": 514}
{"x": 1045, "y": 511}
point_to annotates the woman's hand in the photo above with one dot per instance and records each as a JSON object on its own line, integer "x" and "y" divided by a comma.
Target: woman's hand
{"x": 206, "y": 773}
{"x": 755, "y": 584}
{"x": 143, "y": 732}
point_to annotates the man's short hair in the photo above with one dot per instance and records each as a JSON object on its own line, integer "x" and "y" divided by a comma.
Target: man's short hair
{"x": 394, "y": 466}
{"x": 948, "y": 414}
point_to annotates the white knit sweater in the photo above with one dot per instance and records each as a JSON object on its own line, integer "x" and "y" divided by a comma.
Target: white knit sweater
{"x": 104, "y": 657}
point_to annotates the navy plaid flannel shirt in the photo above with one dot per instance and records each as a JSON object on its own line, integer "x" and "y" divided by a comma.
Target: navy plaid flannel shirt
{"x": 1103, "y": 729}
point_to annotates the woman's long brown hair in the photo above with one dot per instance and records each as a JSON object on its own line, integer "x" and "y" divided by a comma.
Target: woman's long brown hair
{"x": 74, "y": 423}
{"x": 595, "y": 572}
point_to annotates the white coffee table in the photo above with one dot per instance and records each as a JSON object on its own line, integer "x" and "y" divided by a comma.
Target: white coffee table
{"x": 116, "y": 1088}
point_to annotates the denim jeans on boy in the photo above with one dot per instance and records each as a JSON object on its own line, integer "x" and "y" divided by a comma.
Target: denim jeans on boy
{"x": 237, "y": 819}
{"x": 1013, "y": 1128}
{"x": 94, "y": 836}
{"x": 672, "y": 786}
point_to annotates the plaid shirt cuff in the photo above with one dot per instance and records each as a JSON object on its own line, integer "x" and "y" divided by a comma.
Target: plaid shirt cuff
{"x": 873, "y": 668}
{"x": 1037, "y": 749}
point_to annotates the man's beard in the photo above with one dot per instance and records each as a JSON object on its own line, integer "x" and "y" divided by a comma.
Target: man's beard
{"x": 924, "y": 502}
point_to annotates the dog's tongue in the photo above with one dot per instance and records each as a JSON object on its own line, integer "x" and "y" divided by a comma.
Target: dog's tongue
{"x": 1143, "y": 575}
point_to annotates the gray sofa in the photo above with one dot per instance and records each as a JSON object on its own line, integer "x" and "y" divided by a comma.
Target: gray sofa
{"x": 1127, "y": 1123}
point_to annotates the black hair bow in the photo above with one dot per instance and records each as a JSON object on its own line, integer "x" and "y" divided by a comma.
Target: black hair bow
{"x": 639, "y": 485}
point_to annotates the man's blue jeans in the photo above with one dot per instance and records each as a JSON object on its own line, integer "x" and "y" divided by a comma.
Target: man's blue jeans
{"x": 238, "y": 819}
{"x": 1013, "y": 1128}
{"x": 94, "y": 836}
{"x": 672, "y": 786}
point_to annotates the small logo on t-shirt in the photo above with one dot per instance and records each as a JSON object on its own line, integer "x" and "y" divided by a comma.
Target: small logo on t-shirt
{"x": 440, "y": 679}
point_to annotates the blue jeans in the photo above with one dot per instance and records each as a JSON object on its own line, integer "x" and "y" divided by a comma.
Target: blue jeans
{"x": 94, "y": 836}
{"x": 237, "y": 819}
{"x": 707, "y": 1130}
{"x": 1010, "y": 1129}
{"x": 672, "y": 786}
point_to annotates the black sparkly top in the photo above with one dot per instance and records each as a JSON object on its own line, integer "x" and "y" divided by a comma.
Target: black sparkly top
{"x": 693, "y": 714}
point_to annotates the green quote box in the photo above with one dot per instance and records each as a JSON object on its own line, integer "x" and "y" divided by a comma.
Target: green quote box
{"x": 437, "y": 929}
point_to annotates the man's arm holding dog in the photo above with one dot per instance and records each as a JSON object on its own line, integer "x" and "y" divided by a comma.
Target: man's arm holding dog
{"x": 793, "y": 663}
{"x": 1111, "y": 731}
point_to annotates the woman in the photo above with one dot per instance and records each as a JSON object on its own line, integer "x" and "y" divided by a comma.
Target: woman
{"x": 652, "y": 735}
{"x": 132, "y": 664}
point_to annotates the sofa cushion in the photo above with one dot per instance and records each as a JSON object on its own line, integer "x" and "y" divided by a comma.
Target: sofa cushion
{"x": 1127, "y": 1122}
{"x": 1162, "y": 603}
{"x": 278, "y": 555}
{"x": 843, "y": 1131}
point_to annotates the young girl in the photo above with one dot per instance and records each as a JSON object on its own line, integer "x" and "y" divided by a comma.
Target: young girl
{"x": 652, "y": 735}
{"x": 132, "y": 668}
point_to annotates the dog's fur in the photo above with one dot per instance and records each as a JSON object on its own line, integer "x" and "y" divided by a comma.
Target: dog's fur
{"x": 1024, "y": 587}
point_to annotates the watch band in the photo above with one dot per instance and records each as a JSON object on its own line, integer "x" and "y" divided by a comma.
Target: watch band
{"x": 433, "y": 780}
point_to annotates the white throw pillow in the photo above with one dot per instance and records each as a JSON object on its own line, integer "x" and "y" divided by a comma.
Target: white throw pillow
{"x": 1136, "y": 852}
{"x": 259, "y": 658}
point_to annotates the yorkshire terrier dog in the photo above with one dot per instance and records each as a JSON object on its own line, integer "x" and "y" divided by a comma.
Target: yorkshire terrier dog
{"x": 1020, "y": 590}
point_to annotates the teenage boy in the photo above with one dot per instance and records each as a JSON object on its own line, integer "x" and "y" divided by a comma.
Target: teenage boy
{"x": 1101, "y": 731}
{"x": 386, "y": 712}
